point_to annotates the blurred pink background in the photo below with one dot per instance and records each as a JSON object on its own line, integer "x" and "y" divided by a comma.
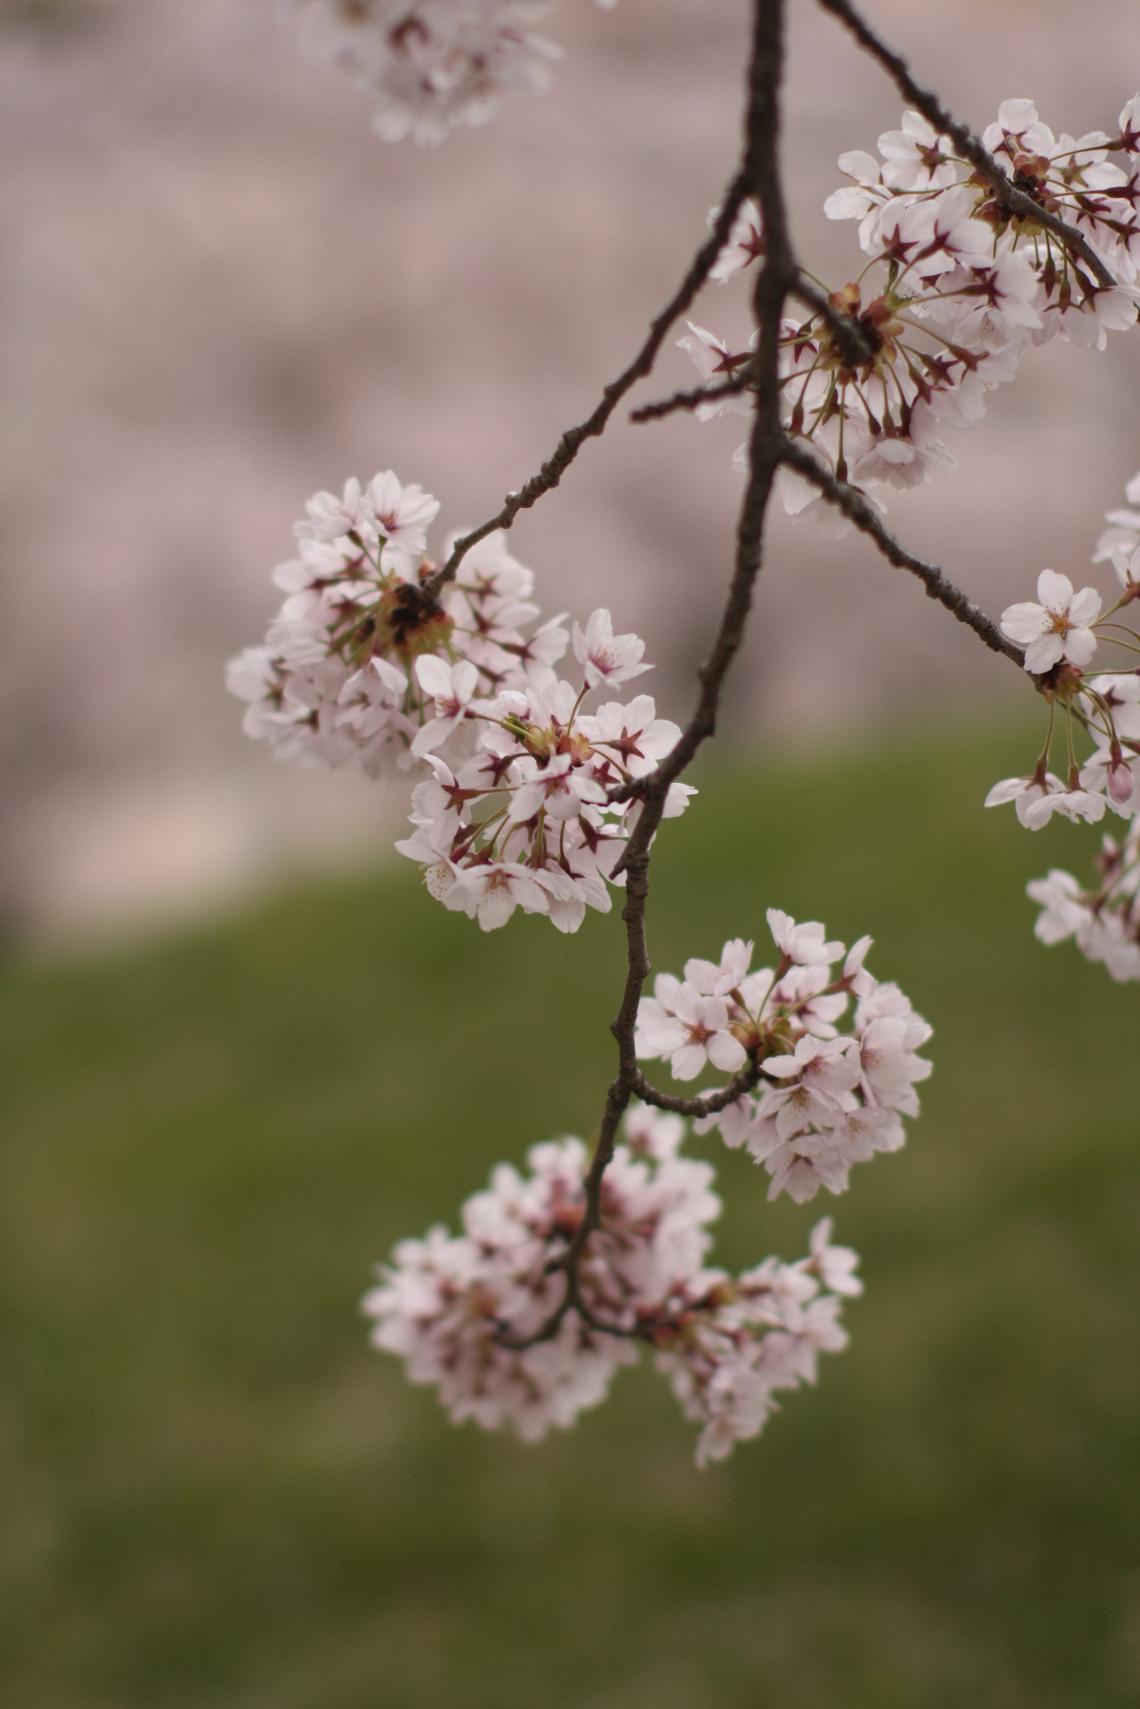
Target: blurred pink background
{"x": 220, "y": 292}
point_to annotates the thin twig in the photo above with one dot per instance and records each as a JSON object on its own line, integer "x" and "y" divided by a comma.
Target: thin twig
{"x": 858, "y": 509}
{"x": 574, "y": 438}
{"x": 706, "y": 1103}
{"x": 694, "y": 396}
{"x": 759, "y": 176}
{"x": 969, "y": 145}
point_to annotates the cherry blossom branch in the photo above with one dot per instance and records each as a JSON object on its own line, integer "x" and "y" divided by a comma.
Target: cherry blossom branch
{"x": 691, "y": 397}
{"x": 868, "y": 520}
{"x": 706, "y": 1103}
{"x": 571, "y": 442}
{"x": 760, "y": 176}
{"x": 851, "y": 340}
{"x": 969, "y": 145}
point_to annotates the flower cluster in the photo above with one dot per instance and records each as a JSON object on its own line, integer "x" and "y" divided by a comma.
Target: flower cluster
{"x": 475, "y": 1315}
{"x": 528, "y": 820}
{"x": 953, "y": 290}
{"x": 365, "y": 666}
{"x": 812, "y": 1100}
{"x": 1104, "y": 920}
{"x": 431, "y": 65}
{"x": 1061, "y": 631}
{"x": 336, "y": 680}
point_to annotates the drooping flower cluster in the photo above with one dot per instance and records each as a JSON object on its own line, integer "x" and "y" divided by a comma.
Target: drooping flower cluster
{"x": 1103, "y": 920}
{"x": 1061, "y": 632}
{"x": 430, "y": 65}
{"x": 953, "y": 290}
{"x": 528, "y": 821}
{"x": 460, "y": 1309}
{"x": 365, "y": 666}
{"x": 337, "y": 680}
{"x": 813, "y": 1101}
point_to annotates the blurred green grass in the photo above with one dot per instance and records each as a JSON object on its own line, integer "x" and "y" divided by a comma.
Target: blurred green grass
{"x": 219, "y": 1496}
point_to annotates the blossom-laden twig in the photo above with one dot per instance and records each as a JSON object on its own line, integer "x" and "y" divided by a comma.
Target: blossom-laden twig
{"x": 1062, "y": 631}
{"x": 760, "y": 176}
{"x": 1018, "y": 198}
{"x": 856, "y": 507}
{"x": 596, "y": 422}
{"x": 536, "y": 796}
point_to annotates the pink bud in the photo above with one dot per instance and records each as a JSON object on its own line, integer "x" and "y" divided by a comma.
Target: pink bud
{"x": 1120, "y": 782}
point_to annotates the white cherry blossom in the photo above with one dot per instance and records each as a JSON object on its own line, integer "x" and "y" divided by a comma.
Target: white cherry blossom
{"x": 1058, "y": 625}
{"x": 604, "y": 656}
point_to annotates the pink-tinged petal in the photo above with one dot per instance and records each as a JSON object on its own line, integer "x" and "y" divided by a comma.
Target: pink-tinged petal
{"x": 465, "y": 677}
{"x": 726, "y": 1052}
{"x": 782, "y": 1067}
{"x": 1041, "y": 655}
{"x": 711, "y": 1012}
{"x": 1036, "y": 813}
{"x": 664, "y": 1037}
{"x": 861, "y": 166}
{"x": 1054, "y": 590}
{"x": 1026, "y": 805}
{"x": 857, "y": 955}
{"x": 525, "y": 802}
{"x": 778, "y": 924}
{"x": 432, "y": 736}
{"x": 1080, "y": 645}
{"x": 1084, "y": 608}
{"x": 702, "y": 974}
{"x": 688, "y": 1062}
{"x": 1024, "y": 622}
{"x": 433, "y": 675}
{"x": 1007, "y": 790}
{"x": 849, "y": 203}
{"x": 1016, "y": 115}
{"x": 495, "y": 908}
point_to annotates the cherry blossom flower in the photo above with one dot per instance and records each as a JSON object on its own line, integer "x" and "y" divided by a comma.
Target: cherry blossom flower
{"x": 916, "y": 157}
{"x": 491, "y": 893}
{"x": 1058, "y": 625}
{"x": 431, "y": 65}
{"x": 452, "y": 687}
{"x": 1104, "y": 919}
{"x": 803, "y": 944}
{"x": 834, "y": 1265}
{"x": 604, "y": 656}
{"x": 715, "y": 363}
{"x": 400, "y": 515}
{"x": 745, "y": 243}
{"x": 687, "y": 1027}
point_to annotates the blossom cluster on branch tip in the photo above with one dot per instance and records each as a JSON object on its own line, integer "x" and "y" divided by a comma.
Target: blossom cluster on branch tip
{"x": 431, "y": 65}
{"x": 532, "y": 775}
{"x": 955, "y": 287}
{"x": 1062, "y": 630}
{"x": 821, "y": 1100}
{"x": 475, "y": 1315}
{"x": 1102, "y": 919}
{"x": 365, "y": 666}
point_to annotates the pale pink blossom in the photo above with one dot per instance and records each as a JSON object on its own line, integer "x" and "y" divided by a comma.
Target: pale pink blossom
{"x": 745, "y": 243}
{"x": 604, "y": 656}
{"x": 1058, "y": 625}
